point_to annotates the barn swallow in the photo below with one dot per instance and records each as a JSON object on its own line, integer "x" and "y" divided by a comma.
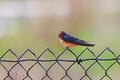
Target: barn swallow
{"x": 69, "y": 41}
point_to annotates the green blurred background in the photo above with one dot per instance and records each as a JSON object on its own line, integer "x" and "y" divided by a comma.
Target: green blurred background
{"x": 35, "y": 24}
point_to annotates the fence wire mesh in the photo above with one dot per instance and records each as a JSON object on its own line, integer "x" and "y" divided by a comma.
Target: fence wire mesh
{"x": 65, "y": 66}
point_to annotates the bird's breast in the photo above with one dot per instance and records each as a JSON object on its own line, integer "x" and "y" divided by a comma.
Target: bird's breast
{"x": 66, "y": 44}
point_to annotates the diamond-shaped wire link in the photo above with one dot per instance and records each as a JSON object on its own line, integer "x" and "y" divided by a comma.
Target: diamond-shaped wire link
{"x": 107, "y": 59}
{"x": 47, "y": 65}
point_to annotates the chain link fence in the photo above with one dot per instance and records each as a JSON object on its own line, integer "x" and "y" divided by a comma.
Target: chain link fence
{"x": 64, "y": 66}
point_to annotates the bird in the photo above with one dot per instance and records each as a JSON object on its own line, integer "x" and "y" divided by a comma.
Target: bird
{"x": 69, "y": 41}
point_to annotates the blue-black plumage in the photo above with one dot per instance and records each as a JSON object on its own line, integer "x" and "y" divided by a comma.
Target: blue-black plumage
{"x": 68, "y": 39}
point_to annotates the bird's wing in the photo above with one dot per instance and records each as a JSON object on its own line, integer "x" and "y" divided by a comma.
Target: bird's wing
{"x": 80, "y": 42}
{"x": 73, "y": 40}
{"x": 69, "y": 38}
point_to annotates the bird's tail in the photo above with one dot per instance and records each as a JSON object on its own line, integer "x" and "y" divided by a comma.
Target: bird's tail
{"x": 87, "y": 44}
{"x": 84, "y": 43}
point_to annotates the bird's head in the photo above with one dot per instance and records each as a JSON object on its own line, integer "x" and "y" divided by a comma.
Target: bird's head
{"x": 61, "y": 34}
